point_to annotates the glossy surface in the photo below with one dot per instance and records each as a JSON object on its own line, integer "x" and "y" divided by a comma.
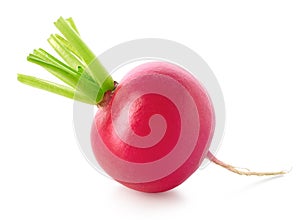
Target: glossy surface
{"x": 156, "y": 129}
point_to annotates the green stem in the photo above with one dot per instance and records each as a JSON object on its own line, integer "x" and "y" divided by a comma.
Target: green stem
{"x": 72, "y": 24}
{"x": 54, "y": 88}
{"x": 60, "y": 71}
{"x": 65, "y": 51}
{"x": 97, "y": 71}
{"x": 85, "y": 75}
{"x": 77, "y": 81}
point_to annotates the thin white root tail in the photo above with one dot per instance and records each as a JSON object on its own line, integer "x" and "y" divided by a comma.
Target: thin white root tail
{"x": 242, "y": 171}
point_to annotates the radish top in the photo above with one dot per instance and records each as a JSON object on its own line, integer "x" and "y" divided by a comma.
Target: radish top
{"x": 85, "y": 77}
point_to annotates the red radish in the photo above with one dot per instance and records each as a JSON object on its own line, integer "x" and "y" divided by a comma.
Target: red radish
{"x": 152, "y": 130}
{"x": 187, "y": 123}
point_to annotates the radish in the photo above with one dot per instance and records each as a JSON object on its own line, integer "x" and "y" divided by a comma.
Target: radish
{"x": 152, "y": 130}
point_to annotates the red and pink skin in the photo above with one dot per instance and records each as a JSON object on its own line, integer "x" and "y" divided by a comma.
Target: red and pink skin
{"x": 155, "y": 130}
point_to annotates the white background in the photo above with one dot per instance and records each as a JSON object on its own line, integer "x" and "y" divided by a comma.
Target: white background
{"x": 253, "y": 47}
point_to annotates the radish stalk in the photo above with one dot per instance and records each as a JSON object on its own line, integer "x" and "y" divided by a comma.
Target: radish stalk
{"x": 98, "y": 72}
{"x": 82, "y": 67}
{"x": 65, "y": 50}
{"x": 72, "y": 24}
{"x": 53, "y": 87}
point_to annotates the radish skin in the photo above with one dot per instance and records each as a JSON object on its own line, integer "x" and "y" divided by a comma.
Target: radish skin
{"x": 157, "y": 167}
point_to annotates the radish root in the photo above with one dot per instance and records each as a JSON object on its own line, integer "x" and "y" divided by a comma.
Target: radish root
{"x": 242, "y": 171}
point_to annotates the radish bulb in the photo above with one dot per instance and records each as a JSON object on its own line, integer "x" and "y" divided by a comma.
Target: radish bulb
{"x": 152, "y": 130}
{"x": 161, "y": 122}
